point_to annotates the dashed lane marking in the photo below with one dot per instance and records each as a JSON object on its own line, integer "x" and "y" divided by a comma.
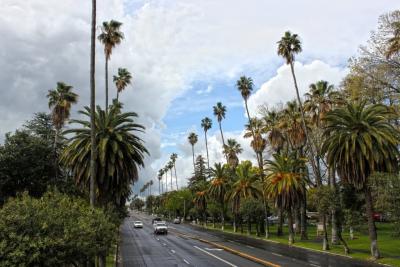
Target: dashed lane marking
{"x": 218, "y": 258}
{"x": 186, "y": 262}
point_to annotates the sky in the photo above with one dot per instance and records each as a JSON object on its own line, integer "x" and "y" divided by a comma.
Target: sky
{"x": 185, "y": 56}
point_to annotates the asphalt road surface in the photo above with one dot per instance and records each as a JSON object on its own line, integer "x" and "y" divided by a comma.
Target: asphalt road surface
{"x": 181, "y": 247}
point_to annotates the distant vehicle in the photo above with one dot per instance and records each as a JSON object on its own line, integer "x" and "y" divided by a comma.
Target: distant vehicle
{"x": 160, "y": 228}
{"x": 177, "y": 221}
{"x": 157, "y": 219}
{"x": 137, "y": 224}
{"x": 273, "y": 219}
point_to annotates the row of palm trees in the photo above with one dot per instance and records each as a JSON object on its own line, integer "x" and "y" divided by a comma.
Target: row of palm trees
{"x": 337, "y": 137}
{"x": 170, "y": 167}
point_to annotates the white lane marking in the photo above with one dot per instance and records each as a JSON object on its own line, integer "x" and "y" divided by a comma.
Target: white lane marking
{"x": 312, "y": 264}
{"x": 249, "y": 246}
{"x": 158, "y": 239}
{"x": 186, "y": 262}
{"x": 218, "y": 258}
{"x": 164, "y": 244}
{"x": 214, "y": 249}
{"x": 276, "y": 254}
{"x": 173, "y": 251}
{"x": 232, "y": 241}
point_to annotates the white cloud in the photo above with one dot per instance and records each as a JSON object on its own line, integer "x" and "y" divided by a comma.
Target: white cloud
{"x": 280, "y": 88}
{"x": 208, "y": 90}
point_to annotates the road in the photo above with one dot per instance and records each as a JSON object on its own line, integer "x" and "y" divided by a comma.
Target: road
{"x": 181, "y": 247}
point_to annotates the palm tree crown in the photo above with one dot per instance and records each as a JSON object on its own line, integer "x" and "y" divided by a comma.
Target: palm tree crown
{"x": 206, "y": 124}
{"x": 60, "y": 101}
{"x": 219, "y": 111}
{"x": 110, "y": 36}
{"x": 245, "y": 86}
{"x": 288, "y": 46}
{"x": 122, "y": 80}
{"x": 120, "y": 153}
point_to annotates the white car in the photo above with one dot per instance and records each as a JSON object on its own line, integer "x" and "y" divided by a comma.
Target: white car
{"x": 137, "y": 224}
{"x": 160, "y": 228}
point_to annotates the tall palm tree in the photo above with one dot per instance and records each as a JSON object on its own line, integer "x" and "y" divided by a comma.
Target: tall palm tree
{"x": 246, "y": 186}
{"x": 288, "y": 47}
{"x": 285, "y": 184}
{"x": 173, "y": 158}
{"x": 110, "y": 37}
{"x": 255, "y": 129}
{"x": 60, "y": 100}
{"x": 122, "y": 80}
{"x": 92, "y": 185}
{"x": 120, "y": 153}
{"x": 170, "y": 166}
{"x": 159, "y": 177}
{"x": 150, "y": 185}
{"x": 166, "y": 177}
{"x": 231, "y": 150}
{"x": 394, "y": 42}
{"x": 219, "y": 113}
{"x": 193, "y": 138}
{"x": 206, "y": 124}
{"x": 219, "y": 187}
{"x": 276, "y": 137}
{"x": 359, "y": 141}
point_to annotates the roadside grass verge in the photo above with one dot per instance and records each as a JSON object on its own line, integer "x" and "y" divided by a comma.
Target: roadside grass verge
{"x": 359, "y": 247}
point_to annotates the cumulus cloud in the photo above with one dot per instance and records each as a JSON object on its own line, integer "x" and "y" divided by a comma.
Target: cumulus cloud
{"x": 280, "y": 88}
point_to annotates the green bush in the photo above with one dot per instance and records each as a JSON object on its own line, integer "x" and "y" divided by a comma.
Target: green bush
{"x": 54, "y": 230}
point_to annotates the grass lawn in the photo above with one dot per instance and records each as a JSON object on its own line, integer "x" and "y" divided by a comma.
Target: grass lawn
{"x": 359, "y": 247}
{"x": 111, "y": 257}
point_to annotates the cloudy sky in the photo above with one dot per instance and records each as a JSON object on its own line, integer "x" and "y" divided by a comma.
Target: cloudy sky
{"x": 185, "y": 55}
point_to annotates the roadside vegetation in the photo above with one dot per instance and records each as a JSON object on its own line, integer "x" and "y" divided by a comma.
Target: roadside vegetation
{"x": 326, "y": 162}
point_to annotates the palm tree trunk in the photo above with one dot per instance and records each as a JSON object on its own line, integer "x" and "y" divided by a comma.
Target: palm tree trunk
{"x": 223, "y": 140}
{"x": 303, "y": 230}
{"x": 208, "y": 160}
{"x": 106, "y": 87}
{"x": 325, "y": 244}
{"x": 176, "y": 178}
{"x": 194, "y": 166}
{"x": 335, "y": 237}
{"x": 290, "y": 226}
{"x": 222, "y": 218}
{"x": 280, "y": 222}
{"x": 92, "y": 106}
{"x": 117, "y": 95}
{"x": 266, "y": 216}
{"x": 316, "y": 171}
{"x": 373, "y": 236}
{"x": 251, "y": 127}
{"x": 56, "y": 155}
{"x": 172, "y": 183}
{"x": 159, "y": 187}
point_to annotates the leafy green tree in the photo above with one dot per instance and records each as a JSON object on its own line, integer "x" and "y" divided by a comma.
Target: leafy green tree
{"x": 55, "y": 230}
{"x": 120, "y": 153}
{"x": 137, "y": 204}
{"x": 41, "y": 126}
{"x": 110, "y": 37}
{"x": 200, "y": 175}
{"x": 206, "y": 124}
{"x": 360, "y": 141}
{"x": 122, "y": 80}
{"x": 26, "y": 164}
{"x": 253, "y": 211}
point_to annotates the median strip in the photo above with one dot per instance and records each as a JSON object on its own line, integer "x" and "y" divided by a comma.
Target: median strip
{"x": 231, "y": 250}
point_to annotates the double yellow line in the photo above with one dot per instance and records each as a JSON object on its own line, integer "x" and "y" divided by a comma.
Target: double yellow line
{"x": 231, "y": 250}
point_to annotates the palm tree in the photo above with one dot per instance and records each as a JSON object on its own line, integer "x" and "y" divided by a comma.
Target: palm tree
{"x": 219, "y": 112}
{"x": 359, "y": 141}
{"x": 120, "y": 153}
{"x": 206, "y": 124}
{"x": 150, "y": 185}
{"x": 231, "y": 150}
{"x": 166, "y": 177}
{"x": 170, "y": 166}
{"x": 288, "y": 47}
{"x": 255, "y": 129}
{"x": 192, "y": 138}
{"x": 92, "y": 190}
{"x": 219, "y": 187}
{"x": 173, "y": 158}
{"x": 110, "y": 37}
{"x": 394, "y": 42}
{"x": 245, "y": 86}
{"x": 285, "y": 184}
{"x": 159, "y": 177}
{"x": 200, "y": 201}
{"x": 271, "y": 124}
{"x": 60, "y": 101}
{"x": 246, "y": 186}
{"x": 122, "y": 80}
